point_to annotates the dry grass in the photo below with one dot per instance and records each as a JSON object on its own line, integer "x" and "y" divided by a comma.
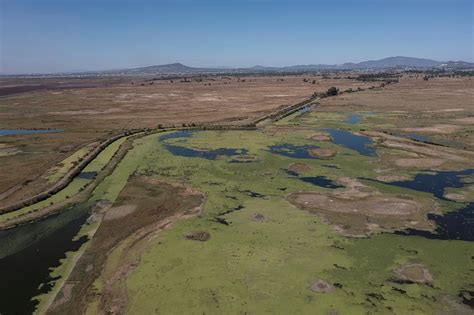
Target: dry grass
{"x": 93, "y": 109}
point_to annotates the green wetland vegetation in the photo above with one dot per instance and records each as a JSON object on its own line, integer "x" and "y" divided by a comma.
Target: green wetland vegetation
{"x": 268, "y": 249}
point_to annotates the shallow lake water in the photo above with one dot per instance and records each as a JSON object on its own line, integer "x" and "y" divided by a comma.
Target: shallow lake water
{"x": 359, "y": 143}
{"x": 190, "y": 152}
{"x": 30, "y": 252}
{"x": 294, "y": 151}
{"x": 455, "y": 225}
{"x": 353, "y": 119}
{"x": 321, "y": 181}
{"x": 87, "y": 175}
{"x": 12, "y": 132}
{"x": 434, "y": 183}
{"x": 415, "y": 136}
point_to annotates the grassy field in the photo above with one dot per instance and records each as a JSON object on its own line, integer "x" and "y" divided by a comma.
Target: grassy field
{"x": 266, "y": 253}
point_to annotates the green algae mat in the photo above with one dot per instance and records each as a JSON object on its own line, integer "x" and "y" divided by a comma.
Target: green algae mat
{"x": 267, "y": 255}
{"x": 284, "y": 228}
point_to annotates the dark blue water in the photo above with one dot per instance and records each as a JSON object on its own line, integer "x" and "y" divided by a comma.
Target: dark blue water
{"x": 455, "y": 225}
{"x": 242, "y": 161}
{"x": 361, "y": 144}
{"x": 12, "y": 132}
{"x": 25, "y": 272}
{"x": 190, "y": 152}
{"x": 252, "y": 194}
{"x": 87, "y": 175}
{"x": 321, "y": 181}
{"x": 305, "y": 109}
{"x": 294, "y": 151}
{"x": 291, "y": 173}
{"x": 207, "y": 154}
{"x": 434, "y": 183}
{"x": 415, "y": 136}
{"x": 353, "y": 119}
{"x": 177, "y": 134}
{"x": 330, "y": 166}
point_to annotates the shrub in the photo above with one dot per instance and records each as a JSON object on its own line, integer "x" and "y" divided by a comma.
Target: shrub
{"x": 332, "y": 91}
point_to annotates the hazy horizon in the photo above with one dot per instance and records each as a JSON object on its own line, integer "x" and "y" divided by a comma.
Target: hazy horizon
{"x": 58, "y": 36}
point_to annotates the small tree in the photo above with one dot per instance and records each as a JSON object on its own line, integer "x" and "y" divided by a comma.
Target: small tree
{"x": 332, "y": 91}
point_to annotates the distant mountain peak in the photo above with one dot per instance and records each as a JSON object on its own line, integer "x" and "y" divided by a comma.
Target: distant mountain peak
{"x": 403, "y": 62}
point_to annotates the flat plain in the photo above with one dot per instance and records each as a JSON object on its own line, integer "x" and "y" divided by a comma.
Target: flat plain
{"x": 357, "y": 203}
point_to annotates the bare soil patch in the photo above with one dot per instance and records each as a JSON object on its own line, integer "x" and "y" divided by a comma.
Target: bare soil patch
{"x": 440, "y": 128}
{"x": 419, "y": 163}
{"x": 357, "y": 213}
{"x": 6, "y": 150}
{"x": 455, "y": 197}
{"x": 374, "y": 206}
{"x": 299, "y": 168}
{"x": 320, "y": 136}
{"x": 391, "y": 178}
{"x": 353, "y": 188}
{"x": 414, "y": 273}
{"x": 326, "y": 153}
{"x": 465, "y": 120}
{"x": 420, "y": 155}
{"x": 259, "y": 217}
{"x": 244, "y": 158}
{"x": 321, "y": 286}
{"x": 120, "y": 211}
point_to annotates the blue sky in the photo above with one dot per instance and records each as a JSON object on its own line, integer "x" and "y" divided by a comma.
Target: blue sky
{"x": 51, "y": 36}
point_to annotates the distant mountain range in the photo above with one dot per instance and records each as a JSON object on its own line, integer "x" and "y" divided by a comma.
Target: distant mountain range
{"x": 386, "y": 63}
{"x": 398, "y": 62}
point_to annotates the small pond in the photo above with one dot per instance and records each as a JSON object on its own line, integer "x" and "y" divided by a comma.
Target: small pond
{"x": 359, "y": 143}
{"x": 434, "y": 183}
{"x": 190, "y": 152}
{"x": 205, "y": 154}
{"x": 177, "y": 134}
{"x": 305, "y": 109}
{"x": 294, "y": 151}
{"x": 321, "y": 181}
{"x": 12, "y": 132}
{"x": 87, "y": 175}
{"x": 455, "y": 225}
{"x": 415, "y": 136}
{"x": 353, "y": 119}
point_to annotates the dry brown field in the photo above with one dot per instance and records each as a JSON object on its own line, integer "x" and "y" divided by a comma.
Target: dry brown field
{"x": 90, "y": 110}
